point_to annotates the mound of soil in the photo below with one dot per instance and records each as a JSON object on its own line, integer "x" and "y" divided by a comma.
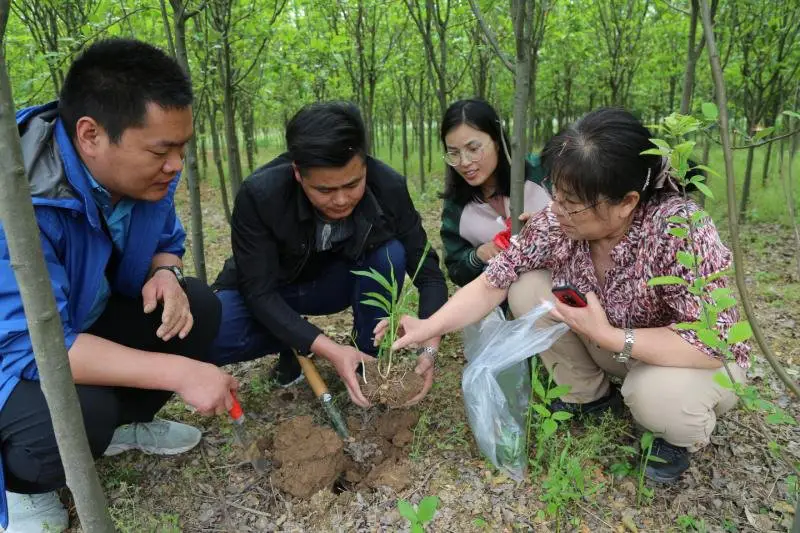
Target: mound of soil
{"x": 397, "y": 389}
{"x": 311, "y": 458}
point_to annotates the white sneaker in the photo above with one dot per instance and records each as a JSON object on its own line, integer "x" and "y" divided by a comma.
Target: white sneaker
{"x": 159, "y": 437}
{"x": 35, "y": 513}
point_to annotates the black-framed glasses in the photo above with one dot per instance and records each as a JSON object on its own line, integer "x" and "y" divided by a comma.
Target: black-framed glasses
{"x": 548, "y": 184}
{"x": 470, "y": 154}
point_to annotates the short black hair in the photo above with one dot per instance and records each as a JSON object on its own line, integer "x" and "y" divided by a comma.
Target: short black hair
{"x": 478, "y": 114}
{"x": 113, "y": 80}
{"x": 325, "y": 134}
{"x": 599, "y": 157}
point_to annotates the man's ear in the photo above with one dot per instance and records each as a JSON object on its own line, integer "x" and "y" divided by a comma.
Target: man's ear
{"x": 296, "y": 172}
{"x": 89, "y": 135}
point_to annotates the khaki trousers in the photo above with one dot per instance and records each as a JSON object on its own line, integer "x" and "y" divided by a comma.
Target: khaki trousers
{"x": 680, "y": 405}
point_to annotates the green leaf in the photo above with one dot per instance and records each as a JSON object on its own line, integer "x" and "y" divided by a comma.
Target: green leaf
{"x": 549, "y": 427}
{"x": 661, "y": 143}
{"x": 678, "y": 232}
{"x": 741, "y": 331}
{"x": 675, "y": 219}
{"x": 722, "y": 379}
{"x": 791, "y": 114}
{"x": 375, "y": 275}
{"x": 375, "y": 303}
{"x": 427, "y": 508}
{"x": 763, "y": 133}
{"x": 699, "y": 215}
{"x": 655, "y": 459}
{"x": 562, "y": 415}
{"x": 541, "y": 409}
{"x": 703, "y": 188}
{"x": 666, "y": 280}
{"x": 708, "y": 337}
{"x": 689, "y": 325}
{"x": 707, "y": 170}
{"x": 406, "y": 510}
{"x": 416, "y": 527}
{"x": 646, "y": 440}
{"x": 725, "y": 302}
{"x": 558, "y": 391}
{"x": 710, "y": 111}
{"x": 539, "y": 390}
{"x": 720, "y": 292}
{"x": 685, "y": 258}
{"x": 380, "y": 297}
{"x": 654, "y": 151}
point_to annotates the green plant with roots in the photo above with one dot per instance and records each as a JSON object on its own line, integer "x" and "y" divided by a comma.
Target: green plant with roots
{"x": 395, "y": 306}
{"x": 420, "y": 516}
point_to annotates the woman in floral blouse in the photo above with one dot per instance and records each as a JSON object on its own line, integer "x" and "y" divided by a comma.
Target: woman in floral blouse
{"x": 606, "y": 233}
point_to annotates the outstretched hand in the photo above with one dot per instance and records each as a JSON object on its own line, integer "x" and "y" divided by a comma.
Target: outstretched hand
{"x": 410, "y": 332}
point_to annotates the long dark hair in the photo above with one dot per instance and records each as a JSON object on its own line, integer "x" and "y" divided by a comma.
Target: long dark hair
{"x": 600, "y": 157}
{"x": 478, "y": 114}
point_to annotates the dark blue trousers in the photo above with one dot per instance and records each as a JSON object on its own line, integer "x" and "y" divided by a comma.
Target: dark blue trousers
{"x": 242, "y": 338}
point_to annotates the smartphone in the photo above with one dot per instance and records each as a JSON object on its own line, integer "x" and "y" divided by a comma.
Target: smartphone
{"x": 569, "y": 295}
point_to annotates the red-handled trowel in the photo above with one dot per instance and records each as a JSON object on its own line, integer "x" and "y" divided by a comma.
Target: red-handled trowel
{"x": 251, "y": 451}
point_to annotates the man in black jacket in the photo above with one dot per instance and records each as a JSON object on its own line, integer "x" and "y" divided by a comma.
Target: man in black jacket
{"x": 301, "y": 224}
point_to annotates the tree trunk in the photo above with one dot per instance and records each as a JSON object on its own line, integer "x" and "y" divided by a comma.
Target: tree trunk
{"x": 167, "y": 28}
{"x": 229, "y": 118}
{"x": 390, "y": 126}
{"x": 248, "y": 126}
{"x": 522, "y": 13}
{"x": 748, "y": 173}
{"x": 431, "y": 124}
{"x": 421, "y": 132}
{"x": 44, "y": 323}
{"x": 404, "y": 127}
{"x": 706, "y": 156}
{"x": 788, "y": 185}
{"x": 190, "y": 171}
{"x": 765, "y": 170}
{"x": 201, "y": 134}
{"x": 217, "y": 154}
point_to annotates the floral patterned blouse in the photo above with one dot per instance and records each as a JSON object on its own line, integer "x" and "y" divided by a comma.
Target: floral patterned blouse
{"x": 647, "y": 250}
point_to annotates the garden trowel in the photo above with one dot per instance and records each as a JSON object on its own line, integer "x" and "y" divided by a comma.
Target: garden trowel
{"x": 323, "y": 395}
{"x": 251, "y": 451}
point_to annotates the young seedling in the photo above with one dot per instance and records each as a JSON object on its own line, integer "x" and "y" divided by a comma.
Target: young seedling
{"x": 394, "y": 306}
{"x": 420, "y": 516}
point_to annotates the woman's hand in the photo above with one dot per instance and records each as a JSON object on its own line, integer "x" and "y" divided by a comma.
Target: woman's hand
{"x": 590, "y": 321}
{"x": 487, "y": 250}
{"x": 411, "y": 332}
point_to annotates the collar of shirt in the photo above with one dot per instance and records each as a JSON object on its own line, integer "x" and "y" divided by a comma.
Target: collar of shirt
{"x": 100, "y": 194}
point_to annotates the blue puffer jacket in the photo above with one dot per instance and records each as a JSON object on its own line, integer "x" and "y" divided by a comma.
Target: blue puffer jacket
{"x": 76, "y": 249}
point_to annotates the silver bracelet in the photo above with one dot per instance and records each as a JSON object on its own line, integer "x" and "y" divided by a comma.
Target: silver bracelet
{"x": 625, "y": 354}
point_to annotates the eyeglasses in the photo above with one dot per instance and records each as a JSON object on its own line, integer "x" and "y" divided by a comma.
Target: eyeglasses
{"x": 465, "y": 156}
{"x": 569, "y": 214}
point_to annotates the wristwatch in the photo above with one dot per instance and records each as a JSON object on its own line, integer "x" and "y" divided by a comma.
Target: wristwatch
{"x": 428, "y": 350}
{"x": 625, "y": 354}
{"x": 175, "y": 269}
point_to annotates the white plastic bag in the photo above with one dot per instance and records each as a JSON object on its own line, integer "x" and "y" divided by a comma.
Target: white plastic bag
{"x": 497, "y": 382}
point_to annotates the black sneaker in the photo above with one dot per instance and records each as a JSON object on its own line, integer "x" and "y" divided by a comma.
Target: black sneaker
{"x": 610, "y": 402}
{"x": 287, "y": 370}
{"x": 676, "y": 460}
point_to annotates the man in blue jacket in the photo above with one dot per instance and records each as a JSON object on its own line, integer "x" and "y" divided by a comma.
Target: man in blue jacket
{"x": 103, "y": 164}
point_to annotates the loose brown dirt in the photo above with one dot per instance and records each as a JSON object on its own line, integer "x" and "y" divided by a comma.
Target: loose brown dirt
{"x": 401, "y": 385}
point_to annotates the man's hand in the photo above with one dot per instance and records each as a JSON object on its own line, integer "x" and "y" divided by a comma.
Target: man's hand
{"x": 424, "y": 368}
{"x": 207, "y": 388}
{"x": 346, "y": 360}
{"x": 487, "y": 250}
{"x": 177, "y": 317}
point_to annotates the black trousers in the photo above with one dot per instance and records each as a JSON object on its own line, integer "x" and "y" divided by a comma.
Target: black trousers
{"x": 31, "y": 461}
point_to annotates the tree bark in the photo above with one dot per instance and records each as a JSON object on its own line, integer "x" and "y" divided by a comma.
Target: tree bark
{"x": 421, "y": 131}
{"x": 217, "y": 154}
{"x": 765, "y": 168}
{"x": 44, "y": 323}
{"x": 404, "y": 129}
{"x": 521, "y": 14}
{"x": 190, "y": 171}
{"x": 738, "y": 259}
{"x": 748, "y": 174}
{"x": 788, "y": 188}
